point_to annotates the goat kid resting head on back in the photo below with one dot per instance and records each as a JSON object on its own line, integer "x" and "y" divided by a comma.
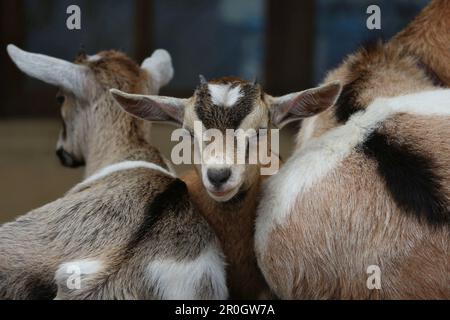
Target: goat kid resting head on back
{"x": 129, "y": 230}
{"x": 368, "y": 188}
{"x": 94, "y": 131}
{"x": 228, "y": 192}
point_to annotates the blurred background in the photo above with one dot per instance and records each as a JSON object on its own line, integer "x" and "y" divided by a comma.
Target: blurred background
{"x": 288, "y": 45}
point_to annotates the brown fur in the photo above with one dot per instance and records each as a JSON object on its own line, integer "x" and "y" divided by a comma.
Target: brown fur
{"x": 338, "y": 229}
{"x": 380, "y": 64}
{"x": 428, "y": 37}
{"x": 350, "y": 220}
{"x": 228, "y": 79}
{"x": 328, "y": 254}
{"x": 233, "y": 224}
{"x": 115, "y": 133}
{"x": 100, "y": 222}
{"x": 229, "y": 205}
{"x": 371, "y": 69}
{"x": 233, "y": 221}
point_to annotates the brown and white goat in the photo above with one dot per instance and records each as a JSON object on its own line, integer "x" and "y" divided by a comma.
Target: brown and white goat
{"x": 368, "y": 188}
{"x": 130, "y": 230}
{"x": 227, "y": 193}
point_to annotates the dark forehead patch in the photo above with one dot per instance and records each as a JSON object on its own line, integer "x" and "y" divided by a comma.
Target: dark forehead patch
{"x": 221, "y": 117}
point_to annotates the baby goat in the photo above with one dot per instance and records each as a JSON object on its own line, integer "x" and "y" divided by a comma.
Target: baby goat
{"x": 369, "y": 184}
{"x": 367, "y": 192}
{"x": 129, "y": 231}
{"x": 226, "y": 192}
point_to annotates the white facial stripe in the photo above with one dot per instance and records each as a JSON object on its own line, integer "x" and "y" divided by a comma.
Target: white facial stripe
{"x": 219, "y": 160}
{"x": 224, "y": 95}
{"x": 180, "y": 280}
{"x": 125, "y": 165}
{"x": 321, "y": 155}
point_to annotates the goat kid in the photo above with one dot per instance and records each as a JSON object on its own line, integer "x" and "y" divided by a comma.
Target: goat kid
{"x": 368, "y": 185}
{"x": 228, "y": 193}
{"x": 129, "y": 231}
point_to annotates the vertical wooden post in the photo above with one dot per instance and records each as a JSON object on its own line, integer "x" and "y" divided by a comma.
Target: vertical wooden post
{"x": 143, "y": 41}
{"x": 290, "y": 45}
{"x": 12, "y": 30}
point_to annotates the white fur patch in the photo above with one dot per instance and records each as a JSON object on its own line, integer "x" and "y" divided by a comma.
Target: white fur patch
{"x": 121, "y": 166}
{"x": 82, "y": 267}
{"x": 180, "y": 280}
{"x": 224, "y": 94}
{"x": 70, "y": 275}
{"x": 160, "y": 67}
{"x": 323, "y": 154}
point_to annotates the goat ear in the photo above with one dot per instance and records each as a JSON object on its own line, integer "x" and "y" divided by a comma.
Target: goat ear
{"x": 69, "y": 76}
{"x": 159, "y": 67}
{"x": 303, "y": 104}
{"x": 151, "y": 108}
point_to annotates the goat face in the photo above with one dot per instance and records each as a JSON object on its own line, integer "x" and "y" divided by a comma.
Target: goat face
{"x": 69, "y": 147}
{"x": 233, "y": 116}
{"x": 218, "y": 120}
{"x": 237, "y": 111}
{"x": 84, "y": 92}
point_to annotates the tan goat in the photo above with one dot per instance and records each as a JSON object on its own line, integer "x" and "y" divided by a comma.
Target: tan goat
{"x": 129, "y": 231}
{"x": 368, "y": 188}
{"x": 227, "y": 194}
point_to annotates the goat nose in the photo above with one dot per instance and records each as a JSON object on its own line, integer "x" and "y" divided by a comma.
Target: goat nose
{"x": 219, "y": 176}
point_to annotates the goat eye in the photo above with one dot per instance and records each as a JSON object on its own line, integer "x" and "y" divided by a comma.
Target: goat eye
{"x": 60, "y": 100}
